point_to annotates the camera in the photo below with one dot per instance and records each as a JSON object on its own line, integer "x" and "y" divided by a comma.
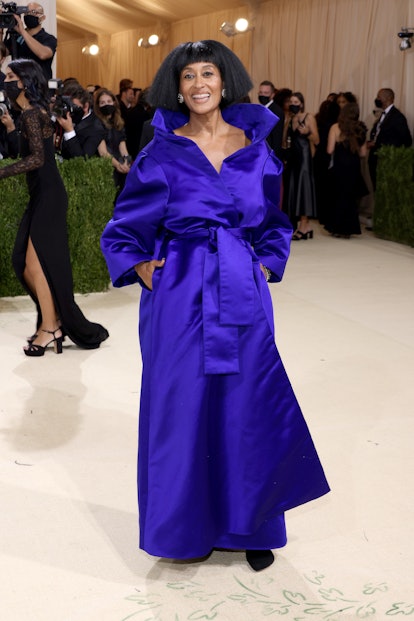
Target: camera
{"x": 4, "y": 104}
{"x": 405, "y": 34}
{"x": 62, "y": 104}
{"x": 7, "y": 12}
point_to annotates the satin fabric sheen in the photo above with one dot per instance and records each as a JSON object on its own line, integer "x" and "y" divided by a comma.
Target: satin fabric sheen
{"x": 224, "y": 449}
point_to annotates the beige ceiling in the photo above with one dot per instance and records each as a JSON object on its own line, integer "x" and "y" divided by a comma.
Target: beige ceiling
{"x": 78, "y": 19}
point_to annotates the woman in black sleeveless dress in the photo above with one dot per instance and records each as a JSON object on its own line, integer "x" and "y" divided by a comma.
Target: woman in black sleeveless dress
{"x": 299, "y": 197}
{"x": 41, "y": 254}
{"x": 346, "y": 145}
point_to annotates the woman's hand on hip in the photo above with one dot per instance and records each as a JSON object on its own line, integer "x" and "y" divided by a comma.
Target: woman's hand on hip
{"x": 146, "y": 269}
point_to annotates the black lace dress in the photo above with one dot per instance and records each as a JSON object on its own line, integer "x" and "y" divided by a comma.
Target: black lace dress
{"x": 44, "y": 221}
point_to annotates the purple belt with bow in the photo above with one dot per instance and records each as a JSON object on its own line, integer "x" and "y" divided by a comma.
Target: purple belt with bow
{"x": 228, "y": 294}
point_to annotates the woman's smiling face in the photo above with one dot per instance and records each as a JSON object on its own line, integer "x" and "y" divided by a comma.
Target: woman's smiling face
{"x": 201, "y": 86}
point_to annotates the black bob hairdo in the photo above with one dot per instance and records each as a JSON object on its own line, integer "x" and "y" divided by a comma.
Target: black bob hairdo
{"x": 165, "y": 87}
{"x": 33, "y": 80}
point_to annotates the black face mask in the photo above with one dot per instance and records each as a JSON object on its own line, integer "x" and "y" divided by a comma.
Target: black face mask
{"x": 378, "y": 103}
{"x": 264, "y": 99}
{"x": 107, "y": 109}
{"x": 295, "y": 108}
{"x": 12, "y": 90}
{"x": 76, "y": 114}
{"x": 31, "y": 21}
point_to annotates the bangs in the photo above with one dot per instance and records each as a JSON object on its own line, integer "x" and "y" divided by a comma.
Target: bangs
{"x": 199, "y": 52}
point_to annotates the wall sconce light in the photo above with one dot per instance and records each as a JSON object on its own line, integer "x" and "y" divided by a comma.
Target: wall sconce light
{"x": 241, "y": 25}
{"x": 405, "y": 34}
{"x": 91, "y": 50}
{"x": 152, "y": 40}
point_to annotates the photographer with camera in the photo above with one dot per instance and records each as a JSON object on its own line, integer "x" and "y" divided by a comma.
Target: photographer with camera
{"x": 82, "y": 130}
{"x": 30, "y": 39}
{"x": 3, "y": 55}
{"x": 9, "y": 138}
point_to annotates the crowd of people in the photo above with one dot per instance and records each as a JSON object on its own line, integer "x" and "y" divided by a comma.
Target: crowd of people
{"x": 323, "y": 155}
{"x": 199, "y": 224}
{"x": 321, "y": 178}
{"x": 86, "y": 123}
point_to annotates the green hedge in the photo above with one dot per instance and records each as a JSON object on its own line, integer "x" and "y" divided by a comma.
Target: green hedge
{"x": 91, "y": 192}
{"x": 394, "y": 196}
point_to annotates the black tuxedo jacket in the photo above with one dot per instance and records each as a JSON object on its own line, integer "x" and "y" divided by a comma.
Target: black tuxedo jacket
{"x": 134, "y": 120}
{"x": 275, "y": 137}
{"x": 89, "y": 133}
{"x": 393, "y": 131}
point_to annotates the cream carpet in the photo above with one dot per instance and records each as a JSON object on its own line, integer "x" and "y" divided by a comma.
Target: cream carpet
{"x": 68, "y": 517}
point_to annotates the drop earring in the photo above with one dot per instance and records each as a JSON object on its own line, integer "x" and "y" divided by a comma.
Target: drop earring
{"x": 180, "y": 98}
{"x": 223, "y": 93}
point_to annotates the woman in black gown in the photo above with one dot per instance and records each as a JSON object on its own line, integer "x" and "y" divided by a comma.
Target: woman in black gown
{"x": 41, "y": 253}
{"x": 347, "y": 144}
{"x": 299, "y": 196}
{"x": 325, "y": 118}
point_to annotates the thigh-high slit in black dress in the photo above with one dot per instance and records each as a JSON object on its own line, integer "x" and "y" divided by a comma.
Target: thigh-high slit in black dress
{"x": 44, "y": 222}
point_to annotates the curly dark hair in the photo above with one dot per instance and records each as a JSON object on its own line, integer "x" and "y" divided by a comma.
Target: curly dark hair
{"x": 75, "y": 91}
{"x": 282, "y": 96}
{"x": 34, "y": 81}
{"x": 164, "y": 89}
{"x": 353, "y": 131}
{"x": 348, "y": 96}
{"x": 328, "y": 113}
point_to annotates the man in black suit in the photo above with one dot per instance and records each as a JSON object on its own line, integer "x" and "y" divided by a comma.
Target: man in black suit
{"x": 134, "y": 121}
{"x": 126, "y": 97}
{"x": 82, "y": 130}
{"x": 266, "y": 96}
{"x": 391, "y": 128}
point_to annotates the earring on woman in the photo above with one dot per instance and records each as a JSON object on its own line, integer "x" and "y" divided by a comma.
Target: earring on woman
{"x": 223, "y": 93}
{"x": 180, "y": 98}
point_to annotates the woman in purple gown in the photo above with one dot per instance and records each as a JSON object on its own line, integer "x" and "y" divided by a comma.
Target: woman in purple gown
{"x": 224, "y": 450}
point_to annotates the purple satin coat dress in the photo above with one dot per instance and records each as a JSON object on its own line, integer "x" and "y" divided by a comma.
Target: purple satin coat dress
{"x": 223, "y": 446}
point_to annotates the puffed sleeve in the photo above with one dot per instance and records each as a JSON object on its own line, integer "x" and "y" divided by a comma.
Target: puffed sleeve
{"x": 271, "y": 240}
{"x": 129, "y": 237}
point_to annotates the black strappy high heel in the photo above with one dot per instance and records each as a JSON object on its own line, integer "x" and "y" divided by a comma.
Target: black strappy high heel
{"x": 35, "y": 350}
{"x": 299, "y": 235}
{"x": 34, "y": 336}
